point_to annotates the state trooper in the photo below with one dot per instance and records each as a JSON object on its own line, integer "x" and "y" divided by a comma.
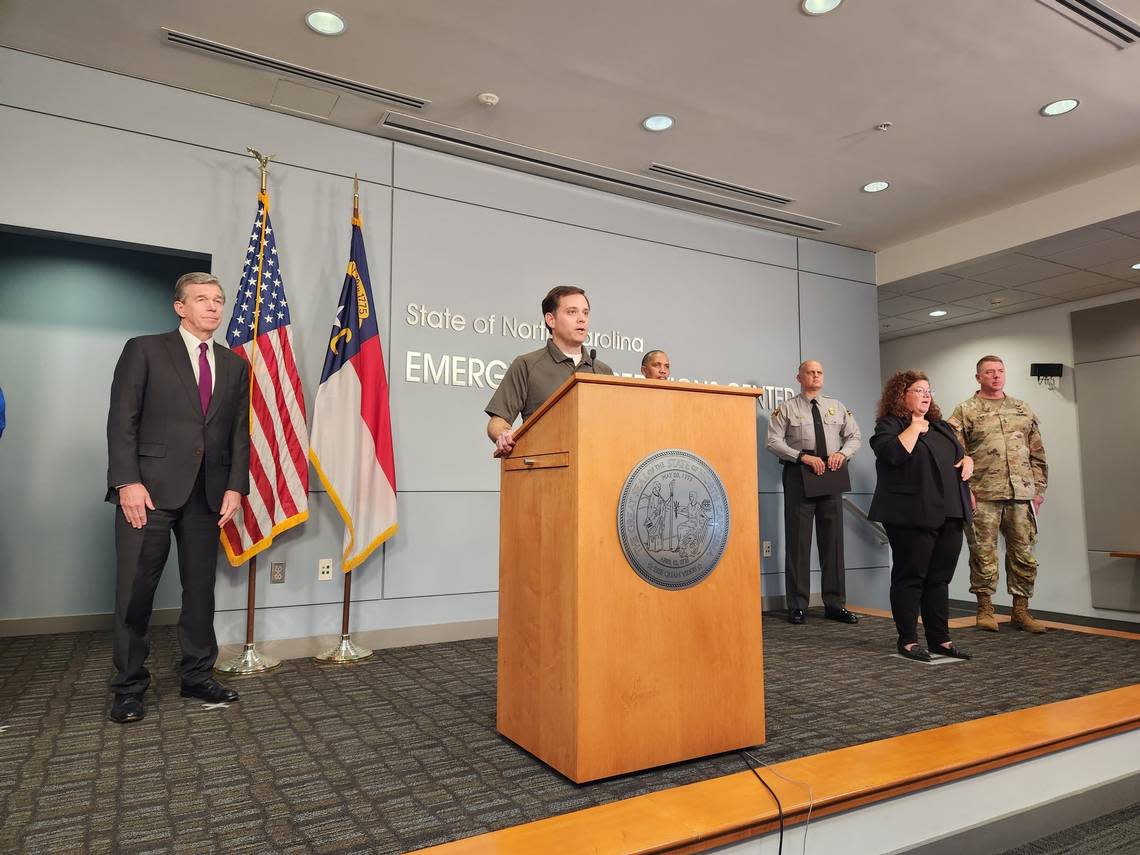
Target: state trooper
{"x": 820, "y": 433}
{"x": 1008, "y": 486}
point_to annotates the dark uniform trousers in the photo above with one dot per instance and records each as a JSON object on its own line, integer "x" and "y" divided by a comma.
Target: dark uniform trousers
{"x": 800, "y": 512}
{"x": 141, "y": 556}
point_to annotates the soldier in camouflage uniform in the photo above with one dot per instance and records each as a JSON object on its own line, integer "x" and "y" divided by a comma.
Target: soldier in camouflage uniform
{"x": 1010, "y": 476}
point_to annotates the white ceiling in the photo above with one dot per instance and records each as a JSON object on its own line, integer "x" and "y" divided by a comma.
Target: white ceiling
{"x": 1081, "y": 263}
{"x": 764, "y": 95}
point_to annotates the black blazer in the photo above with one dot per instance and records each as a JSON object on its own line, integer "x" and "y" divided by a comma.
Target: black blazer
{"x": 909, "y": 488}
{"x": 156, "y": 432}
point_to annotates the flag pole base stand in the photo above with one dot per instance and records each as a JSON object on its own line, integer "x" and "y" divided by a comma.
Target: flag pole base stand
{"x": 345, "y": 651}
{"x": 248, "y": 662}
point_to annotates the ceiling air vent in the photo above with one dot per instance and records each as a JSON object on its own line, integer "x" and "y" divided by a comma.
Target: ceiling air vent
{"x": 451, "y": 140}
{"x": 1098, "y": 18}
{"x": 280, "y": 66}
{"x": 718, "y": 184}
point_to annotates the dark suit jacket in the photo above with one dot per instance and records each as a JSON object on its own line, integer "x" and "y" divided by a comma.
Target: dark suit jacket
{"x": 156, "y": 432}
{"x": 909, "y": 487}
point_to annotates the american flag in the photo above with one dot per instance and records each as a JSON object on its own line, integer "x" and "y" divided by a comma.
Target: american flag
{"x": 260, "y": 332}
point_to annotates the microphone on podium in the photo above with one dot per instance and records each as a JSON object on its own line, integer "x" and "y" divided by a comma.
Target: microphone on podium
{"x": 593, "y": 356}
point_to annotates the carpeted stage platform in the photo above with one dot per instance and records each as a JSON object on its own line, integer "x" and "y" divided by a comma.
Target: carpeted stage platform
{"x": 400, "y": 752}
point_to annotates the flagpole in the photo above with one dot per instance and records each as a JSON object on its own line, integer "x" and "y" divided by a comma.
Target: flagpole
{"x": 250, "y": 661}
{"x": 346, "y": 650}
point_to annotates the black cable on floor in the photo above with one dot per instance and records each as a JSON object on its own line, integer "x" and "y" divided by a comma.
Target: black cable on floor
{"x": 775, "y": 798}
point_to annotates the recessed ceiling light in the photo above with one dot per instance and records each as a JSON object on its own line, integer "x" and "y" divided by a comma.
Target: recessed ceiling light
{"x": 938, "y": 313}
{"x": 657, "y": 123}
{"x": 1136, "y": 266}
{"x": 1059, "y": 108}
{"x": 324, "y": 22}
{"x": 819, "y": 7}
{"x": 876, "y": 186}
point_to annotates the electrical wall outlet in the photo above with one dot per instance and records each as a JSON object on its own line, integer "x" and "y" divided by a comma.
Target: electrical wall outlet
{"x": 767, "y": 544}
{"x": 277, "y": 572}
{"x": 324, "y": 570}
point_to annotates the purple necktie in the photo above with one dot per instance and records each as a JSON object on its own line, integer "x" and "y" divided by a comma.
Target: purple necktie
{"x": 204, "y": 377}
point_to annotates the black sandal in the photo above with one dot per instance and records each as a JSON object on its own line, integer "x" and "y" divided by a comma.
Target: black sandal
{"x": 918, "y": 653}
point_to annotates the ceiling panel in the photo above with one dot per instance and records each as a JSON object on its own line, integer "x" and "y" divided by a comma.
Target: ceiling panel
{"x": 899, "y": 324}
{"x": 1118, "y": 270}
{"x": 1026, "y": 306}
{"x": 951, "y": 312}
{"x": 1120, "y": 248}
{"x": 1070, "y": 240}
{"x": 984, "y": 264}
{"x": 1029, "y": 270}
{"x": 1059, "y": 285}
{"x": 901, "y": 305}
{"x": 1109, "y": 287}
{"x": 957, "y": 290}
{"x": 992, "y": 302}
{"x": 918, "y": 283}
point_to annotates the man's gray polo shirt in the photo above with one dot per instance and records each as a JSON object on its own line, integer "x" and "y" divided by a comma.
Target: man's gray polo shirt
{"x": 533, "y": 377}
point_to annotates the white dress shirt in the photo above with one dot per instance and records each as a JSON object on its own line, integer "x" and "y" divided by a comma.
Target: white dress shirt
{"x": 192, "y": 343}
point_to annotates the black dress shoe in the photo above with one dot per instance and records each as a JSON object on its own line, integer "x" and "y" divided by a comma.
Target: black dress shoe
{"x": 210, "y": 691}
{"x": 796, "y": 616}
{"x": 126, "y": 709}
{"x": 916, "y": 652}
{"x": 952, "y": 651}
{"x": 841, "y": 615}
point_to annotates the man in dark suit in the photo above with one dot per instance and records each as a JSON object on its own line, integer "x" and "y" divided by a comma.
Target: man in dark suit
{"x": 178, "y": 449}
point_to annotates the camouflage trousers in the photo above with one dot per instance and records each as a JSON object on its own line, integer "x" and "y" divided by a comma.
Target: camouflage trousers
{"x": 1015, "y": 521}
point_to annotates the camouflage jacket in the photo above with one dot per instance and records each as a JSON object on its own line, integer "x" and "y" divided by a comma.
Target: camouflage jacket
{"x": 1004, "y": 439}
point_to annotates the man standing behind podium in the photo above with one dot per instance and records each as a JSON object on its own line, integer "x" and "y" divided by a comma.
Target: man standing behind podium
{"x": 178, "y": 448}
{"x": 655, "y": 365}
{"x": 814, "y": 431}
{"x": 533, "y": 376}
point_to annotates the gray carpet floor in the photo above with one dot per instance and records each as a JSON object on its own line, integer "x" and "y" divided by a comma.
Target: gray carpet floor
{"x": 1116, "y": 833}
{"x": 400, "y": 752}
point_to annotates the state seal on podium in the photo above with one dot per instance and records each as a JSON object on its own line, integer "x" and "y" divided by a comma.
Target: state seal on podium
{"x": 673, "y": 519}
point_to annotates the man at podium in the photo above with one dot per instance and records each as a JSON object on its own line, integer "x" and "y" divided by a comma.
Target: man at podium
{"x": 533, "y": 376}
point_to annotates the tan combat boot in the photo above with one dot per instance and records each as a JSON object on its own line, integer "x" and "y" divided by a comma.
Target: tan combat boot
{"x": 1022, "y": 619}
{"x": 986, "y": 614}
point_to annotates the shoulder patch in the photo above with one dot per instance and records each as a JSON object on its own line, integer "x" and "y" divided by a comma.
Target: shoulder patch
{"x": 954, "y": 422}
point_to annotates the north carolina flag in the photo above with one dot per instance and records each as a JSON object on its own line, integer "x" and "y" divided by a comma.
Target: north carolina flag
{"x": 351, "y": 444}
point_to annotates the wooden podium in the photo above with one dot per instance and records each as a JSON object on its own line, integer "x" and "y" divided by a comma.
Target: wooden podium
{"x": 600, "y": 672}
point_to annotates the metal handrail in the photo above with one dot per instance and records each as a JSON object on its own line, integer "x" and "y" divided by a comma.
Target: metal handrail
{"x": 880, "y": 532}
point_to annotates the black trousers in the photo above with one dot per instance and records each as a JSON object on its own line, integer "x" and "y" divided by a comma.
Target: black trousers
{"x": 800, "y": 512}
{"x": 141, "y": 556}
{"x": 924, "y": 562}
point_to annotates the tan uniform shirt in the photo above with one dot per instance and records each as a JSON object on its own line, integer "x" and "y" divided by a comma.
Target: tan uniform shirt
{"x": 1004, "y": 439}
{"x": 533, "y": 377}
{"x": 791, "y": 428}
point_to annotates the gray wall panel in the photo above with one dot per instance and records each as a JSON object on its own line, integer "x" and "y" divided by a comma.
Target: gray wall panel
{"x": 1108, "y": 415}
{"x": 1106, "y": 332}
{"x": 454, "y": 178}
{"x": 839, "y": 261}
{"x": 118, "y": 101}
{"x": 448, "y": 544}
{"x": 839, "y": 327}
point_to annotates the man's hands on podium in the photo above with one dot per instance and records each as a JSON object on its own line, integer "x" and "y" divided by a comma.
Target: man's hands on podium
{"x": 500, "y": 433}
